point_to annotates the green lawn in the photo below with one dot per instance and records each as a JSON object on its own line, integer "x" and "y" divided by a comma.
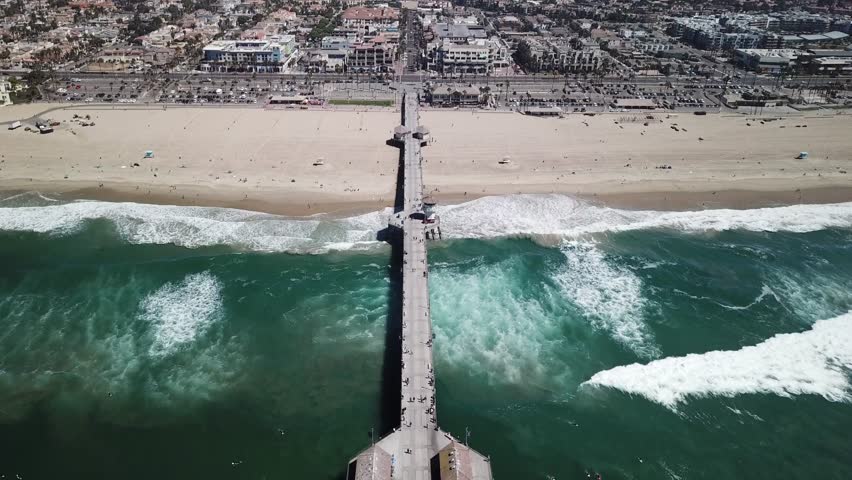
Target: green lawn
{"x": 372, "y": 103}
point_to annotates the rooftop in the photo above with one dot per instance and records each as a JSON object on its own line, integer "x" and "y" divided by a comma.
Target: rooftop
{"x": 250, "y": 45}
{"x": 766, "y": 53}
{"x": 830, "y": 53}
{"x": 836, "y": 35}
{"x": 444, "y": 30}
{"x": 370, "y": 14}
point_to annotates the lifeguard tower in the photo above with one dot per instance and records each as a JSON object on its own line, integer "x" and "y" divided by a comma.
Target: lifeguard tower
{"x": 432, "y": 221}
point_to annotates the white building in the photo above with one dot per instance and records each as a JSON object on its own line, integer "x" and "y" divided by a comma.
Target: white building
{"x": 767, "y": 60}
{"x": 476, "y": 56}
{"x": 5, "y": 91}
{"x": 270, "y": 55}
{"x": 339, "y": 41}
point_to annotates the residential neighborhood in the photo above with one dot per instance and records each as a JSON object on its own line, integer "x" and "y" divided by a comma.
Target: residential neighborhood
{"x": 166, "y": 43}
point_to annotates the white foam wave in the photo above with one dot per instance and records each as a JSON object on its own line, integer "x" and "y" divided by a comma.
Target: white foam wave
{"x": 540, "y": 215}
{"x": 487, "y": 321}
{"x": 816, "y": 297}
{"x": 568, "y": 217}
{"x": 610, "y": 296}
{"x": 765, "y": 291}
{"x": 84, "y": 348}
{"x": 181, "y": 312}
{"x": 201, "y": 226}
{"x": 815, "y": 362}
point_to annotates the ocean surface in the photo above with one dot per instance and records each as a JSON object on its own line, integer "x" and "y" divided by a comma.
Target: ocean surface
{"x": 142, "y": 341}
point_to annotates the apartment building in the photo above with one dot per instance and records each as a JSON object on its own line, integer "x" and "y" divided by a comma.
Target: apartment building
{"x": 480, "y": 56}
{"x": 375, "y": 55}
{"x": 367, "y": 19}
{"x": 542, "y": 54}
{"x": 707, "y": 33}
{"x": 269, "y": 55}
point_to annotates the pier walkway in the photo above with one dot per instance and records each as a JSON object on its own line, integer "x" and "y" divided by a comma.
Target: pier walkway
{"x": 418, "y": 449}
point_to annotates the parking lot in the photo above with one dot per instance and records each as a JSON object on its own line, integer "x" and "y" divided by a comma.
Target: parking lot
{"x": 571, "y": 94}
{"x": 592, "y": 96}
{"x": 104, "y": 90}
{"x": 210, "y": 90}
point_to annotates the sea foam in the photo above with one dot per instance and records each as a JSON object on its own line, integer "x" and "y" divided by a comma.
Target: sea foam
{"x": 565, "y": 216}
{"x": 610, "y": 296}
{"x": 814, "y": 362}
{"x": 487, "y": 321}
{"x": 553, "y": 215}
{"x": 75, "y": 348}
{"x": 195, "y": 227}
{"x": 180, "y": 312}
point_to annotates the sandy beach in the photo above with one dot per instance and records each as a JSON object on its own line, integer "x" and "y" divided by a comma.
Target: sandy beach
{"x": 265, "y": 160}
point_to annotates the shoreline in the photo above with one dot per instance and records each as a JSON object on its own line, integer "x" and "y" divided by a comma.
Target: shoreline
{"x": 336, "y": 208}
{"x": 204, "y": 197}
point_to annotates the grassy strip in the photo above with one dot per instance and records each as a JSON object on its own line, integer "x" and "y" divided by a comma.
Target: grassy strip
{"x": 372, "y": 103}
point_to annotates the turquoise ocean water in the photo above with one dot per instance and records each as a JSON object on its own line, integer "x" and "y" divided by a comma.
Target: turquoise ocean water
{"x": 141, "y": 341}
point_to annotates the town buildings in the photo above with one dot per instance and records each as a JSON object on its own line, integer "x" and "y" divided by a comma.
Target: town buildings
{"x": 803, "y": 61}
{"x": 366, "y": 41}
{"x": 366, "y": 20}
{"x": 546, "y": 54}
{"x": 767, "y": 60}
{"x": 481, "y": 37}
{"x": 750, "y": 31}
{"x": 464, "y": 49}
{"x": 374, "y": 55}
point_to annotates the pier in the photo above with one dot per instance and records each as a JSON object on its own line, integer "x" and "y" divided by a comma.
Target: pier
{"x": 418, "y": 449}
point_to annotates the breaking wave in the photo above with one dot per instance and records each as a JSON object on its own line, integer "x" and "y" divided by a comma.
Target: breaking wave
{"x": 195, "y": 227}
{"x": 173, "y": 353}
{"x": 814, "y": 362}
{"x": 512, "y": 215}
{"x": 610, "y": 296}
{"x": 179, "y": 313}
{"x": 489, "y": 322}
{"x": 569, "y": 217}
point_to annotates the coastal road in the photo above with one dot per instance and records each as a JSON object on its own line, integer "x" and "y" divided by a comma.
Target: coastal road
{"x": 418, "y": 76}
